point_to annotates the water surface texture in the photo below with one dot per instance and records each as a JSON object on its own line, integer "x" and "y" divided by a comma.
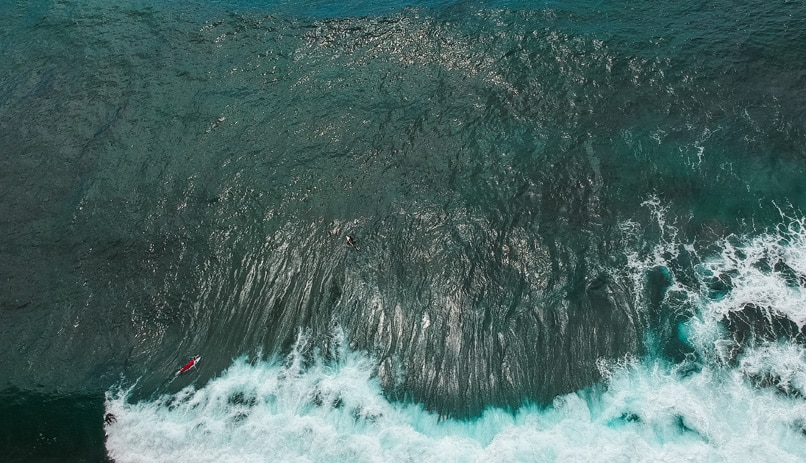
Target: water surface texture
{"x": 581, "y": 231}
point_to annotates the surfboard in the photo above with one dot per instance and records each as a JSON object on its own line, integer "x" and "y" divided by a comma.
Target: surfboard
{"x": 192, "y": 363}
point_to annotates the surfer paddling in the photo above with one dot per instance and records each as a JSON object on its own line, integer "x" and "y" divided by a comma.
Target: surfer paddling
{"x": 351, "y": 242}
{"x": 192, "y": 363}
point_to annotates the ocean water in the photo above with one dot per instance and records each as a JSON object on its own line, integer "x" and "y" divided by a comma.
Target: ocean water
{"x": 581, "y": 228}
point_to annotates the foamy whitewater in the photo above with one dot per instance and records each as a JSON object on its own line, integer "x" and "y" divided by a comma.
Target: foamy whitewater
{"x": 717, "y": 405}
{"x": 581, "y": 228}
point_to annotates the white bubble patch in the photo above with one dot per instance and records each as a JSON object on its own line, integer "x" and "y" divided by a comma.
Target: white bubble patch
{"x": 767, "y": 271}
{"x": 335, "y": 411}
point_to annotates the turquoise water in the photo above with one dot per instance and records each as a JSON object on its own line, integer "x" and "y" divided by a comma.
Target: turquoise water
{"x": 581, "y": 231}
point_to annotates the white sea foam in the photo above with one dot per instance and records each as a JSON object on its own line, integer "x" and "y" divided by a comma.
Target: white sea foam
{"x": 748, "y": 264}
{"x": 335, "y": 411}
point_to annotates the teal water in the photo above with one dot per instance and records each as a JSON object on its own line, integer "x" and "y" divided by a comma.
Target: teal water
{"x": 555, "y": 205}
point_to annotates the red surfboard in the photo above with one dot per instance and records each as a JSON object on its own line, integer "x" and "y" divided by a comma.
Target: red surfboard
{"x": 189, "y": 365}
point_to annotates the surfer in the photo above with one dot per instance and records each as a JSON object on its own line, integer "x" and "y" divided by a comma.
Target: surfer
{"x": 109, "y": 418}
{"x": 192, "y": 363}
{"x": 351, "y": 242}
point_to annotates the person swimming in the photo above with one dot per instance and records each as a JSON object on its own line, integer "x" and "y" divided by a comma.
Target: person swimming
{"x": 352, "y": 243}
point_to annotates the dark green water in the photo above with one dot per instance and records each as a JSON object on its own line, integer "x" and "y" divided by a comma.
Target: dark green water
{"x": 180, "y": 179}
{"x": 51, "y": 428}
